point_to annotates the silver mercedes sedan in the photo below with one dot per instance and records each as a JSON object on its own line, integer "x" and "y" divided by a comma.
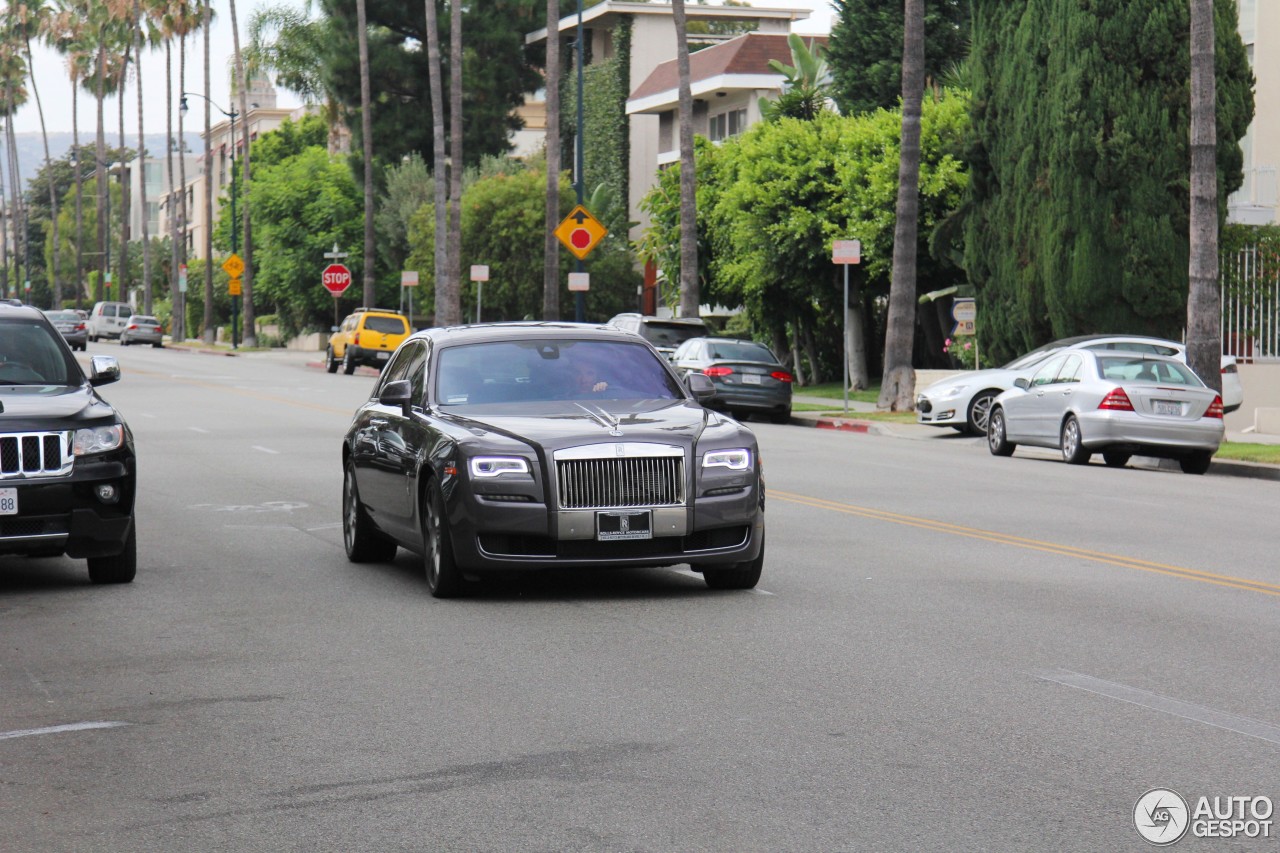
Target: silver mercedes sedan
{"x": 1118, "y": 403}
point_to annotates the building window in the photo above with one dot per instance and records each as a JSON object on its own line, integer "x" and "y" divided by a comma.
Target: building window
{"x": 1248, "y": 20}
{"x": 728, "y": 124}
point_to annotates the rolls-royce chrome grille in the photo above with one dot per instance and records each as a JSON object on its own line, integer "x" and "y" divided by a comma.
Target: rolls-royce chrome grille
{"x": 34, "y": 454}
{"x": 620, "y": 482}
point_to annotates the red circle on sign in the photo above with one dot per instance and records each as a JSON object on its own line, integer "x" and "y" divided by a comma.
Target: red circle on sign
{"x": 580, "y": 238}
{"x": 336, "y": 279}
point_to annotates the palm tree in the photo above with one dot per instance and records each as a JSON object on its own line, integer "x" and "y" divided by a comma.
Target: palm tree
{"x": 242, "y": 83}
{"x": 689, "y": 296}
{"x": 68, "y": 31}
{"x": 445, "y": 314}
{"x": 1204, "y": 342}
{"x": 366, "y": 131}
{"x": 13, "y": 67}
{"x": 140, "y": 30}
{"x": 291, "y": 55}
{"x": 897, "y": 388}
{"x": 209, "y": 332}
{"x": 454, "y": 260}
{"x": 551, "y": 247}
{"x": 33, "y": 18}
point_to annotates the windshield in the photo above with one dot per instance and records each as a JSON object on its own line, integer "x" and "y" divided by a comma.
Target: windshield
{"x": 31, "y": 353}
{"x": 542, "y": 370}
{"x": 662, "y": 334}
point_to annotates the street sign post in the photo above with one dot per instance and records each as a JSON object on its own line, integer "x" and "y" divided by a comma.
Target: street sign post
{"x": 336, "y": 278}
{"x": 408, "y": 279}
{"x": 846, "y": 252}
{"x": 479, "y": 274}
{"x": 234, "y": 268}
{"x": 580, "y": 232}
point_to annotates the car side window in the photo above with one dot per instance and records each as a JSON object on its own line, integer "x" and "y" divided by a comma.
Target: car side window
{"x": 1047, "y": 372}
{"x": 1070, "y": 371}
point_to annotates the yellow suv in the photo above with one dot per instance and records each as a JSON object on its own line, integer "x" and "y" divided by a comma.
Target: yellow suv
{"x": 368, "y": 336}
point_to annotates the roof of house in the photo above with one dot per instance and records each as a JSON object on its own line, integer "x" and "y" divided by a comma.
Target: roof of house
{"x": 740, "y": 63}
{"x": 608, "y": 12}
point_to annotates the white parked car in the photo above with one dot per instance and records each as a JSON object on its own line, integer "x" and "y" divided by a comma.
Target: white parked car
{"x": 963, "y": 402}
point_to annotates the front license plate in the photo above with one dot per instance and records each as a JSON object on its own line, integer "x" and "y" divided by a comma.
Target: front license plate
{"x": 622, "y": 525}
{"x": 384, "y": 355}
{"x": 1166, "y": 407}
{"x": 750, "y": 379}
{"x": 8, "y": 501}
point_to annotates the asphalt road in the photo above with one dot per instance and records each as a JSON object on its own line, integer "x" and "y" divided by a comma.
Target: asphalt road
{"x": 946, "y": 652}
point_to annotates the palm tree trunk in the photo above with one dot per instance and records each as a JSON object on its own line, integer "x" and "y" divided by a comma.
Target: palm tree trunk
{"x": 446, "y": 315}
{"x": 366, "y": 132}
{"x": 181, "y": 214}
{"x": 15, "y": 196}
{"x": 4, "y": 239}
{"x": 125, "y": 195}
{"x": 142, "y": 167}
{"x": 1204, "y": 333}
{"x": 897, "y": 388}
{"x": 250, "y": 331}
{"x": 690, "y": 299}
{"x": 209, "y": 332}
{"x": 551, "y": 246}
{"x": 454, "y": 260}
{"x": 56, "y": 273}
{"x": 100, "y": 170}
{"x": 79, "y": 170}
{"x": 175, "y": 324}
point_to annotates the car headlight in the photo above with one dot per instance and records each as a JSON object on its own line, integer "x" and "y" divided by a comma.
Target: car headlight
{"x": 496, "y": 466}
{"x": 738, "y": 459}
{"x": 97, "y": 439}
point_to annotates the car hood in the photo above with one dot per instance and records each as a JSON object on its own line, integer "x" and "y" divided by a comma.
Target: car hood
{"x": 49, "y": 407}
{"x": 996, "y": 377}
{"x": 558, "y": 424}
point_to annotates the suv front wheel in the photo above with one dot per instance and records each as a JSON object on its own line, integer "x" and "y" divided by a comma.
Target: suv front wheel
{"x": 330, "y": 363}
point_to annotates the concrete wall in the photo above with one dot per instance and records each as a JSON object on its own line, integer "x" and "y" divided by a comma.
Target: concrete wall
{"x": 1261, "y": 391}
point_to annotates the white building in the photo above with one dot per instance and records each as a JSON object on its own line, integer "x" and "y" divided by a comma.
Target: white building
{"x": 1255, "y": 202}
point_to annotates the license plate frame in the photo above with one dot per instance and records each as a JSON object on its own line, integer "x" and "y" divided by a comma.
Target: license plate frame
{"x": 8, "y": 501}
{"x": 384, "y": 355}
{"x": 628, "y": 525}
{"x": 751, "y": 379}
{"x": 1166, "y": 407}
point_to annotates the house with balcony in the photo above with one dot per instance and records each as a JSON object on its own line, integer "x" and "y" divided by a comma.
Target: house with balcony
{"x": 1255, "y": 203}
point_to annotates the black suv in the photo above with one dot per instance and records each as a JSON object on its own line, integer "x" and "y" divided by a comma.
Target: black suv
{"x": 67, "y": 465}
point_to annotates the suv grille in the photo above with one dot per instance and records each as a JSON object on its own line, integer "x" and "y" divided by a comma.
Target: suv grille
{"x": 639, "y": 481}
{"x": 35, "y": 454}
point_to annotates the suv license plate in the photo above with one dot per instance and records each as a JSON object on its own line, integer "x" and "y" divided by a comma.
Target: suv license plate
{"x": 625, "y": 525}
{"x": 384, "y": 355}
{"x": 8, "y": 501}
{"x": 1166, "y": 407}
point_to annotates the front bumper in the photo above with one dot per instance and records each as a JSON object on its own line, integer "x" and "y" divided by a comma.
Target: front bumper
{"x": 64, "y": 515}
{"x": 948, "y": 411}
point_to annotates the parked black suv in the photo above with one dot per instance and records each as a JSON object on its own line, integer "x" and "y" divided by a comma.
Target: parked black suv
{"x": 67, "y": 465}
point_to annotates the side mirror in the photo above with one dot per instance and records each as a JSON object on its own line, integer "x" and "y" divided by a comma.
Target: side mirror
{"x": 398, "y": 393}
{"x": 701, "y": 386}
{"x": 103, "y": 370}
{"x": 1022, "y": 382}
{"x": 333, "y": 328}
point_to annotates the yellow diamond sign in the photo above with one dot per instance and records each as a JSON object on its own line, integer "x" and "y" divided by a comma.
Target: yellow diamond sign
{"x": 580, "y": 232}
{"x": 233, "y": 266}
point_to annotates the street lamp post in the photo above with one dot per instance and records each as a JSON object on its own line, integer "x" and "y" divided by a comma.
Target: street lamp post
{"x": 235, "y": 300}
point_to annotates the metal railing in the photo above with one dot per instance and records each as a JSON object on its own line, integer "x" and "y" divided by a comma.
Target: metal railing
{"x": 1251, "y": 305}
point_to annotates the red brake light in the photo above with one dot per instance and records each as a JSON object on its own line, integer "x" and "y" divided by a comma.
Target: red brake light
{"x": 80, "y": 328}
{"x": 782, "y": 376}
{"x": 355, "y": 339}
{"x": 1116, "y": 401}
{"x": 1215, "y": 408}
{"x": 718, "y": 371}
{"x": 133, "y": 325}
{"x": 1230, "y": 368}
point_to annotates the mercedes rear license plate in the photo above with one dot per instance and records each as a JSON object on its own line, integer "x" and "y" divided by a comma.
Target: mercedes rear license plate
{"x": 623, "y": 524}
{"x": 751, "y": 379}
{"x": 1166, "y": 407}
{"x": 9, "y": 502}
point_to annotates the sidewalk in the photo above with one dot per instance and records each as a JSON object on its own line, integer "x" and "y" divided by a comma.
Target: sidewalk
{"x": 920, "y": 432}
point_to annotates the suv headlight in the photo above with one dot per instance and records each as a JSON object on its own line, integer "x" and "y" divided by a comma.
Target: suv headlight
{"x": 97, "y": 440}
{"x": 738, "y": 459}
{"x": 496, "y": 466}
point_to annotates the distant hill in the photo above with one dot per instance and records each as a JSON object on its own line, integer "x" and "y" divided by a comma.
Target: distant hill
{"x": 31, "y": 149}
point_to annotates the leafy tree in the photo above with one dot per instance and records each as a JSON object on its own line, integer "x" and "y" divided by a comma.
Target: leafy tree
{"x": 865, "y": 48}
{"x": 1078, "y": 214}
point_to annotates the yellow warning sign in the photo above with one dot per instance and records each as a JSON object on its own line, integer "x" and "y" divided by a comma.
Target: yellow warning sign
{"x": 580, "y": 232}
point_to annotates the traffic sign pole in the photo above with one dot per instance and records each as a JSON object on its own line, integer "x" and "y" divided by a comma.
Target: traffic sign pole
{"x": 846, "y": 252}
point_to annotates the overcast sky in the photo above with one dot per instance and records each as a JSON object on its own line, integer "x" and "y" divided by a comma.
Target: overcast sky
{"x": 55, "y": 90}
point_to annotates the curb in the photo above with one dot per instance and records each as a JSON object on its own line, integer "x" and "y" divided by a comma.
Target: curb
{"x": 1224, "y": 467}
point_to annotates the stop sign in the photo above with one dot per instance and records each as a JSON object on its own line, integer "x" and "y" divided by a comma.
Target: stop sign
{"x": 336, "y": 279}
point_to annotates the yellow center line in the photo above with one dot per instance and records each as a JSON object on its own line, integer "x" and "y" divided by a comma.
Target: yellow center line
{"x": 1030, "y": 544}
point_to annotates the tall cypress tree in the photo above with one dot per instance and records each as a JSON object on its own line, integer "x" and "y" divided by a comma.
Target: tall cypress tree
{"x": 1079, "y": 211}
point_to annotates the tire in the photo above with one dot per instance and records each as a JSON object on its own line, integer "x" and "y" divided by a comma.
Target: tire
{"x": 1196, "y": 463}
{"x": 124, "y": 342}
{"x": 1072, "y": 443}
{"x": 348, "y": 365}
{"x": 978, "y": 412}
{"x": 740, "y": 576}
{"x": 741, "y": 416}
{"x": 781, "y": 417}
{"x": 362, "y": 542}
{"x": 997, "y": 442}
{"x": 330, "y": 363}
{"x": 157, "y": 345}
{"x": 118, "y": 568}
{"x": 444, "y": 580}
{"x": 1115, "y": 458}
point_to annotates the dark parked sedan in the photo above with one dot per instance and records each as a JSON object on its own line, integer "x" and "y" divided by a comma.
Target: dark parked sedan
{"x": 748, "y": 377}
{"x": 72, "y": 327}
{"x": 522, "y": 446}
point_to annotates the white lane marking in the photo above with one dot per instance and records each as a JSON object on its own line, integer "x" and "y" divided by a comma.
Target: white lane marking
{"x": 1165, "y": 705}
{"x": 260, "y": 527}
{"x": 147, "y": 415}
{"x": 198, "y": 429}
{"x": 266, "y": 450}
{"x": 333, "y": 526}
{"x": 70, "y": 727}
